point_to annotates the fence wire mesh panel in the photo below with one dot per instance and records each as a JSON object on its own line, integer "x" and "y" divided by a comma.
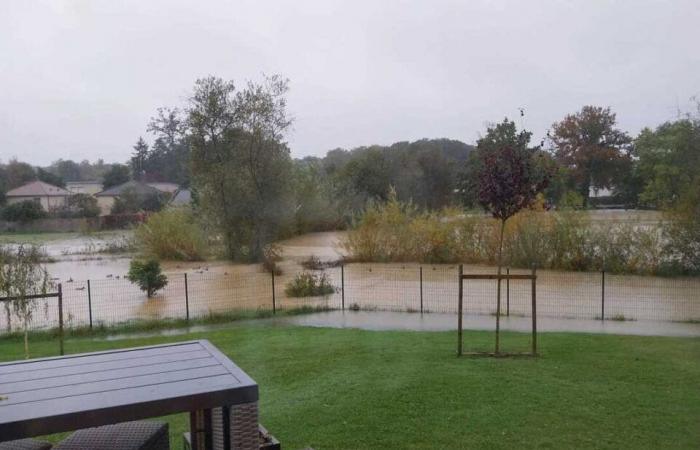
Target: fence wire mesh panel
{"x": 652, "y": 298}
{"x": 45, "y": 316}
{"x": 385, "y": 287}
{"x": 239, "y": 290}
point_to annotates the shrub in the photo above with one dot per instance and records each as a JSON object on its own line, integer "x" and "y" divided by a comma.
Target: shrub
{"x": 307, "y": 284}
{"x": 272, "y": 254}
{"x": 147, "y": 275}
{"x": 80, "y": 205}
{"x": 172, "y": 234}
{"x": 25, "y": 211}
{"x": 563, "y": 240}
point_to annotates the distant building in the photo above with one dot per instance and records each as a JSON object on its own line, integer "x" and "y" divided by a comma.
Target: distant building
{"x": 183, "y": 197}
{"x": 50, "y": 197}
{"x": 84, "y": 187}
{"x": 164, "y": 186}
{"x": 106, "y": 198}
{"x": 599, "y": 192}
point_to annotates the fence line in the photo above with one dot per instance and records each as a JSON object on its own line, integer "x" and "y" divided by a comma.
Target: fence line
{"x": 385, "y": 287}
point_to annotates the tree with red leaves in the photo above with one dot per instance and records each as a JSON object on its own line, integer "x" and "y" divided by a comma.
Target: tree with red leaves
{"x": 509, "y": 179}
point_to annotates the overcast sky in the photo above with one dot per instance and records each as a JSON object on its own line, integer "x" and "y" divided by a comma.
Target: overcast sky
{"x": 80, "y": 79}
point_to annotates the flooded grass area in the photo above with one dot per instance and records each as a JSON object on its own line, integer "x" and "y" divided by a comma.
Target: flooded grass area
{"x": 203, "y": 289}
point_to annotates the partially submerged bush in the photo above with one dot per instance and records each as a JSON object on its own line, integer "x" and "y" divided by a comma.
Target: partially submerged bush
{"x": 172, "y": 234}
{"x": 307, "y": 284}
{"x": 147, "y": 275}
{"x": 565, "y": 240}
{"x": 272, "y": 254}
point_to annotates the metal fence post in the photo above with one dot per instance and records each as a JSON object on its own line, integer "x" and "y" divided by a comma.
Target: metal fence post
{"x": 342, "y": 286}
{"x": 459, "y": 313}
{"x": 60, "y": 318}
{"x": 534, "y": 311}
{"x": 274, "y": 300}
{"x": 89, "y": 303}
{"x": 602, "y": 296}
{"x": 421, "y": 289}
{"x": 508, "y": 292}
{"x": 187, "y": 300}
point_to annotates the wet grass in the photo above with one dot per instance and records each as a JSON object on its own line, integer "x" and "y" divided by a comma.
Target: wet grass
{"x": 356, "y": 389}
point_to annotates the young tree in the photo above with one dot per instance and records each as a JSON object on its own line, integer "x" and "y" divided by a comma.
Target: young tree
{"x": 21, "y": 276}
{"x": 588, "y": 143}
{"x": 147, "y": 275}
{"x": 139, "y": 158}
{"x": 509, "y": 179}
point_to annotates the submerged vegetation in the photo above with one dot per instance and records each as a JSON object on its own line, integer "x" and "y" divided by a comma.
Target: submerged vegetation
{"x": 172, "y": 234}
{"x": 307, "y": 284}
{"x": 397, "y": 231}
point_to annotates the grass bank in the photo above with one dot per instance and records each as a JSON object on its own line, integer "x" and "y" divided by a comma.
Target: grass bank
{"x": 355, "y": 389}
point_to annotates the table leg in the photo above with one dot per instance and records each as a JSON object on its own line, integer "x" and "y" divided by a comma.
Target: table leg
{"x": 201, "y": 429}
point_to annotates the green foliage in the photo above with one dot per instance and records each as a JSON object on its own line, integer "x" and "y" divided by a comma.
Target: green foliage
{"x": 588, "y": 144}
{"x": 22, "y": 275}
{"x": 80, "y": 205}
{"x": 571, "y": 200}
{"x": 566, "y": 240}
{"x": 308, "y": 284}
{"x": 241, "y": 167}
{"x": 172, "y": 234}
{"x": 24, "y": 211}
{"x": 147, "y": 275}
{"x": 683, "y": 233}
{"x": 116, "y": 175}
{"x": 669, "y": 161}
{"x": 133, "y": 200}
{"x": 50, "y": 178}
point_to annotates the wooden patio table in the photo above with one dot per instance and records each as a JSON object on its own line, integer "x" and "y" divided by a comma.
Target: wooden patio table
{"x": 51, "y": 395}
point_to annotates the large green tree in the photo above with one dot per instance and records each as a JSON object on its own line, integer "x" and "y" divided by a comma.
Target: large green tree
{"x": 241, "y": 166}
{"x": 668, "y": 161}
{"x": 116, "y": 175}
{"x": 592, "y": 148}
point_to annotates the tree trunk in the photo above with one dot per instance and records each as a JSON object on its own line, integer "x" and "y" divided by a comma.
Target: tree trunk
{"x": 26, "y": 340}
{"x": 9, "y": 316}
{"x": 498, "y": 288}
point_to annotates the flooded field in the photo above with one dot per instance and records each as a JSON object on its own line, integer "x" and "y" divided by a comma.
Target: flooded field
{"x": 201, "y": 289}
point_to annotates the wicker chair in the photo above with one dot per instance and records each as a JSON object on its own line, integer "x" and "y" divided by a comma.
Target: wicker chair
{"x": 122, "y": 436}
{"x": 25, "y": 444}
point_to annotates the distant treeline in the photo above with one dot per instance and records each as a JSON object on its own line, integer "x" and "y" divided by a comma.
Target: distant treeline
{"x": 228, "y": 145}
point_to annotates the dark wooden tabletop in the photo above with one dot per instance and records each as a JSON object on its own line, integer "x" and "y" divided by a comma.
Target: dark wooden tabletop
{"x": 50, "y": 395}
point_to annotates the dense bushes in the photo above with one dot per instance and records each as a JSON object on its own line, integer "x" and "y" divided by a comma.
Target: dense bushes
{"x": 307, "y": 284}
{"x": 25, "y": 211}
{"x": 172, "y": 234}
{"x": 79, "y": 205}
{"x": 567, "y": 240}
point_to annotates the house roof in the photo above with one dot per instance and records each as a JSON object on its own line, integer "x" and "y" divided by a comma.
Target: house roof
{"x": 182, "y": 197}
{"x": 38, "y": 189}
{"x": 137, "y": 186}
{"x": 164, "y": 186}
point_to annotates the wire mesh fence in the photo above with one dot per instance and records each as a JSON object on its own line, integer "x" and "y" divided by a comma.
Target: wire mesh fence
{"x": 361, "y": 286}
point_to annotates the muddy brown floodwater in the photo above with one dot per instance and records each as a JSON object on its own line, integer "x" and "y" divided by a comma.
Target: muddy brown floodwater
{"x": 222, "y": 287}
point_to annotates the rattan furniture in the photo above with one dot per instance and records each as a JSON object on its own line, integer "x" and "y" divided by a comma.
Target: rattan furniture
{"x": 141, "y": 435}
{"x": 25, "y": 444}
{"x": 51, "y": 395}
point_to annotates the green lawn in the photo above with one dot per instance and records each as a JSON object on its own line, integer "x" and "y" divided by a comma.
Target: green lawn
{"x": 355, "y": 389}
